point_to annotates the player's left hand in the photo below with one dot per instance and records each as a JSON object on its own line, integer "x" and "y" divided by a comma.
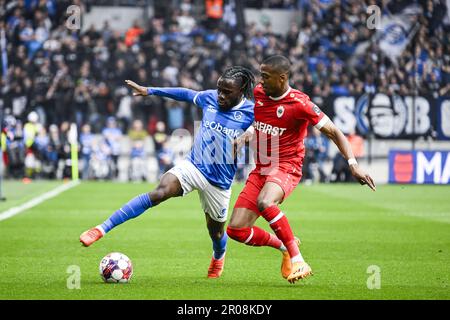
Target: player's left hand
{"x": 362, "y": 177}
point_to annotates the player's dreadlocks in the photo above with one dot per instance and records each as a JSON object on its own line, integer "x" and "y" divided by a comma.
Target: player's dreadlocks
{"x": 245, "y": 76}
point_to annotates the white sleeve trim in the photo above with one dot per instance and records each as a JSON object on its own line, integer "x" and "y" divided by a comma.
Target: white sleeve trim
{"x": 195, "y": 98}
{"x": 322, "y": 122}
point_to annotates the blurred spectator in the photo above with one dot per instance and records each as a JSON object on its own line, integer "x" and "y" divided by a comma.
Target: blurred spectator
{"x": 160, "y": 136}
{"x": 31, "y": 130}
{"x": 13, "y": 144}
{"x": 87, "y": 146}
{"x": 341, "y": 170}
{"x": 316, "y": 154}
{"x": 165, "y": 158}
{"x": 137, "y": 169}
{"x": 175, "y": 118}
{"x": 132, "y": 34}
{"x": 101, "y": 165}
{"x": 112, "y": 135}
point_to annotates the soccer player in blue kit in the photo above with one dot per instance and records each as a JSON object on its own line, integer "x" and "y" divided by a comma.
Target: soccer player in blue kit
{"x": 209, "y": 167}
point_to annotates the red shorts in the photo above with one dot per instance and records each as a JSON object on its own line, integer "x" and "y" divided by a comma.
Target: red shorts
{"x": 287, "y": 176}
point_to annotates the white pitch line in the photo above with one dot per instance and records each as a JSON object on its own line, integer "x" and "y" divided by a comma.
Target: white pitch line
{"x": 39, "y": 199}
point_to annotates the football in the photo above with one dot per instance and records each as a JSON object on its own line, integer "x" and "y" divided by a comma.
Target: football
{"x": 116, "y": 267}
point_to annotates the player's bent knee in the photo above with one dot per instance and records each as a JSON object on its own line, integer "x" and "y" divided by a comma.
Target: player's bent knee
{"x": 263, "y": 204}
{"x": 160, "y": 194}
{"x": 239, "y": 234}
{"x": 216, "y": 234}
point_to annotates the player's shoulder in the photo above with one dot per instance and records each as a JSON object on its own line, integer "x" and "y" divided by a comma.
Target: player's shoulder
{"x": 298, "y": 96}
{"x": 206, "y": 97}
{"x": 210, "y": 93}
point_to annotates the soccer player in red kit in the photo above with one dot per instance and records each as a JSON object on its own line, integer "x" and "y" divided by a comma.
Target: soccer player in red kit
{"x": 282, "y": 116}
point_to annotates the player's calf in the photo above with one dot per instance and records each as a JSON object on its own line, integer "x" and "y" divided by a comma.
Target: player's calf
{"x": 242, "y": 235}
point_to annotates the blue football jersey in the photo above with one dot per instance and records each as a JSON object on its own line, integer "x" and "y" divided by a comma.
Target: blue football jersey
{"x": 212, "y": 151}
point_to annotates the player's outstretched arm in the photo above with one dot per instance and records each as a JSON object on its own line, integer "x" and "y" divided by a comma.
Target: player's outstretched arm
{"x": 179, "y": 94}
{"x": 336, "y": 135}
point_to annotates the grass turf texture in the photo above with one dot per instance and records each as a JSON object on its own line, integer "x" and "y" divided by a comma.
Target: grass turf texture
{"x": 404, "y": 230}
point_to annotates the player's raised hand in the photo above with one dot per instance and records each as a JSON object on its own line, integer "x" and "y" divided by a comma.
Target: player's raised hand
{"x": 237, "y": 146}
{"x": 137, "y": 89}
{"x": 362, "y": 177}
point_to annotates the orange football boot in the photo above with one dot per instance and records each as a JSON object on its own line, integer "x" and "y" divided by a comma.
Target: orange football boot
{"x": 90, "y": 236}
{"x": 301, "y": 270}
{"x": 216, "y": 267}
{"x": 286, "y": 266}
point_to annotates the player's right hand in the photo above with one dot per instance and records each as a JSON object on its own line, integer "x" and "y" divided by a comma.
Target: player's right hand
{"x": 137, "y": 89}
{"x": 362, "y": 177}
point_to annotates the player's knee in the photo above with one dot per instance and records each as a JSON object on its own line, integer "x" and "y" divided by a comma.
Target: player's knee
{"x": 159, "y": 195}
{"x": 216, "y": 234}
{"x": 264, "y": 203}
{"x": 239, "y": 234}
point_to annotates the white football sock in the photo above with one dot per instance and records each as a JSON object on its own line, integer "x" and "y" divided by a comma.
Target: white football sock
{"x": 297, "y": 258}
{"x": 99, "y": 227}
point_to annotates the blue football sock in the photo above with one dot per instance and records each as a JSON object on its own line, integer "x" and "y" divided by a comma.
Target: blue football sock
{"x": 129, "y": 211}
{"x": 219, "y": 246}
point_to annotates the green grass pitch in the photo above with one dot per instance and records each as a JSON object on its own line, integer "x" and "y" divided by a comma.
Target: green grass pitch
{"x": 404, "y": 231}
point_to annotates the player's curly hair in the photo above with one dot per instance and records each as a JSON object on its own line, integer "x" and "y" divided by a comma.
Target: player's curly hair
{"x": 245, "y": 76}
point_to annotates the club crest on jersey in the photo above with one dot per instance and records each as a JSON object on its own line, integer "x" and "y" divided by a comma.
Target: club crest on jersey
{"x": 237, "y": 115}
{"x": 280, "y": 111}
{"x": 316, "y": 109}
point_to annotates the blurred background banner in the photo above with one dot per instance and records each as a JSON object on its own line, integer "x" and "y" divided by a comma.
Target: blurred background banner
{"x": 391, "y": 117}
{"x": 419, "y": 167}
{"x": 396, "y": 30}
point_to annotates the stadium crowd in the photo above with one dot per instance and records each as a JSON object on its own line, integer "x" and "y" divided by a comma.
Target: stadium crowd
{"x": 55, "y": 75}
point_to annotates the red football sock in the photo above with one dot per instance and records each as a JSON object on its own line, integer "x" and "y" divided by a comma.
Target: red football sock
{"x": 280, "y": 225}
{"x": 263, "y": 238}
{"x": 254, "y": 237}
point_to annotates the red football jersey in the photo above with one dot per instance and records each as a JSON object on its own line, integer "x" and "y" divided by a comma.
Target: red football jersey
{"x": 281, "y": 126}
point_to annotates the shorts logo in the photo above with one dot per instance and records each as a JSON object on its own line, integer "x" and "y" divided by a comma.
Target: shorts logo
{"x": 223, "y": 213}
{"x": 238, "y": 115}
{"x": 280, "y": 111}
